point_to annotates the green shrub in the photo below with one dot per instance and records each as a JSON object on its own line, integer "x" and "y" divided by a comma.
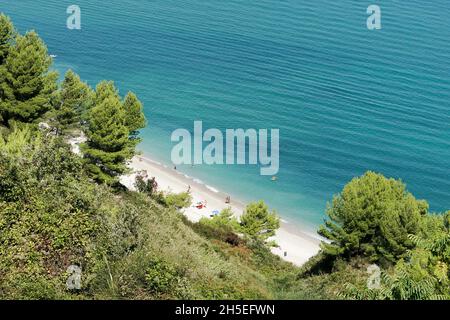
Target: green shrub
{"x": 218, "y": 232}
{"x": 149, "y": 187}
{"x": 161, "y": 276}
{"x": 225, "y": 221}
{"x": 179, "y": 201}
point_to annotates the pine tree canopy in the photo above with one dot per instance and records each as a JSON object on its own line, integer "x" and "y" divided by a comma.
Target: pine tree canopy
{"x": 75, "y": 99}
{"x": 134, "y": 115}
{"x": 372, "y": 217}
{"x": 7, "y": 35}
{"x": 27, "y": 85}
{"x": 258, "y": 222}
{"x": 108, "y": 145}
{"x": 104, "y": 90}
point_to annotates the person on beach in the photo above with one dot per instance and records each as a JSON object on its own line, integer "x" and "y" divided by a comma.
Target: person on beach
{"x": 189, "y": 189}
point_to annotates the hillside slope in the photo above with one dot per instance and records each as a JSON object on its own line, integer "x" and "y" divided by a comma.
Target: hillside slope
{"x": 127, "y": 245}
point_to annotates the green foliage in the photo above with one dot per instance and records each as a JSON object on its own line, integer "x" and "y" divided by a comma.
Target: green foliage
{"x": 258, "y": 222}
{"x": 179, "y": 200}
{"x": 223, "y": 227}
{"x": 52, "y": 216}
{"x": 108, "y": 147}
{"x": 161, "y": 277}
{"x": 401, "y": 285}
{"x": 376, "y": 219}
{"x": 7, "y": 35}
{"x": 47, "y": 220}
{"x": 9, "y": 175}
{"x": 218, "y": 233}
{"x": 17, "y": 140}
{"x": 225, "y": 220}
{"x": 311, "y": 285}
{"x": 26, "y": 85}
{"x": 134, "y": 115}
{"x": 112, "y": 133}
{"x": 149, "y": 187}
{"x": 74, "y": 100}
{"x": 105, "y": 90}
{"x": 423, "y": 275}
{"x": 372, "y": 217}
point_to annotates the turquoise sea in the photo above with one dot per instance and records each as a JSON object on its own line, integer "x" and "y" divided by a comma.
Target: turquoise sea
{"x": 346, "y": 99}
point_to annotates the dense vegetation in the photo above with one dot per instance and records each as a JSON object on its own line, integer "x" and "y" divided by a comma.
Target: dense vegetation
{"x": 52, "y": 216}
{"x": 59, "y": 209}
{"x": 376, "y": 220}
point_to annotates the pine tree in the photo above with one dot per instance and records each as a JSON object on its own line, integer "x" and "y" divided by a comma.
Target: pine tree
{"x": 372, "y": 217}
{"x": 108, "y": 146}
{"x": 26, "y": 84}
{"x": 105, "y": 89}
{"x": 258, "y": 222}
{"x": 7, "y": 34}
{"x": 134, "y": 116}
{"x": 74, "y": 100}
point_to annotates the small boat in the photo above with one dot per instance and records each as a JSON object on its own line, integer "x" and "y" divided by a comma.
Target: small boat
{"x": 53, "y": 56}
{"x": 274, "y": 178}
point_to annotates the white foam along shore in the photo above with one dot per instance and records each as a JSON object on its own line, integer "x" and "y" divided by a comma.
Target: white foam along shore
{"x": 295, "y": 245}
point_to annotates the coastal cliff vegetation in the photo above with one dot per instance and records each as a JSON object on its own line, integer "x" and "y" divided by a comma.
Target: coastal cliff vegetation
{"x": 59, "y": 209}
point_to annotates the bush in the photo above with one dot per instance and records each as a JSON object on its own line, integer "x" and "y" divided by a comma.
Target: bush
{"x": 161, "y": 276}
{"x": 179, "y": 201}
{"x": 149, "y": 187}
{"x": 225, "y": 221}
{"x": 216, "y": 232}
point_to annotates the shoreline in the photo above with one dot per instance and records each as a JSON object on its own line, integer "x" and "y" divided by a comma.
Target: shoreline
{"x": 298, "y": 244}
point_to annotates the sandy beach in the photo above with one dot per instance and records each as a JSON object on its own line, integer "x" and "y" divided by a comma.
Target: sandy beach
{"x": 294, "y": 245}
